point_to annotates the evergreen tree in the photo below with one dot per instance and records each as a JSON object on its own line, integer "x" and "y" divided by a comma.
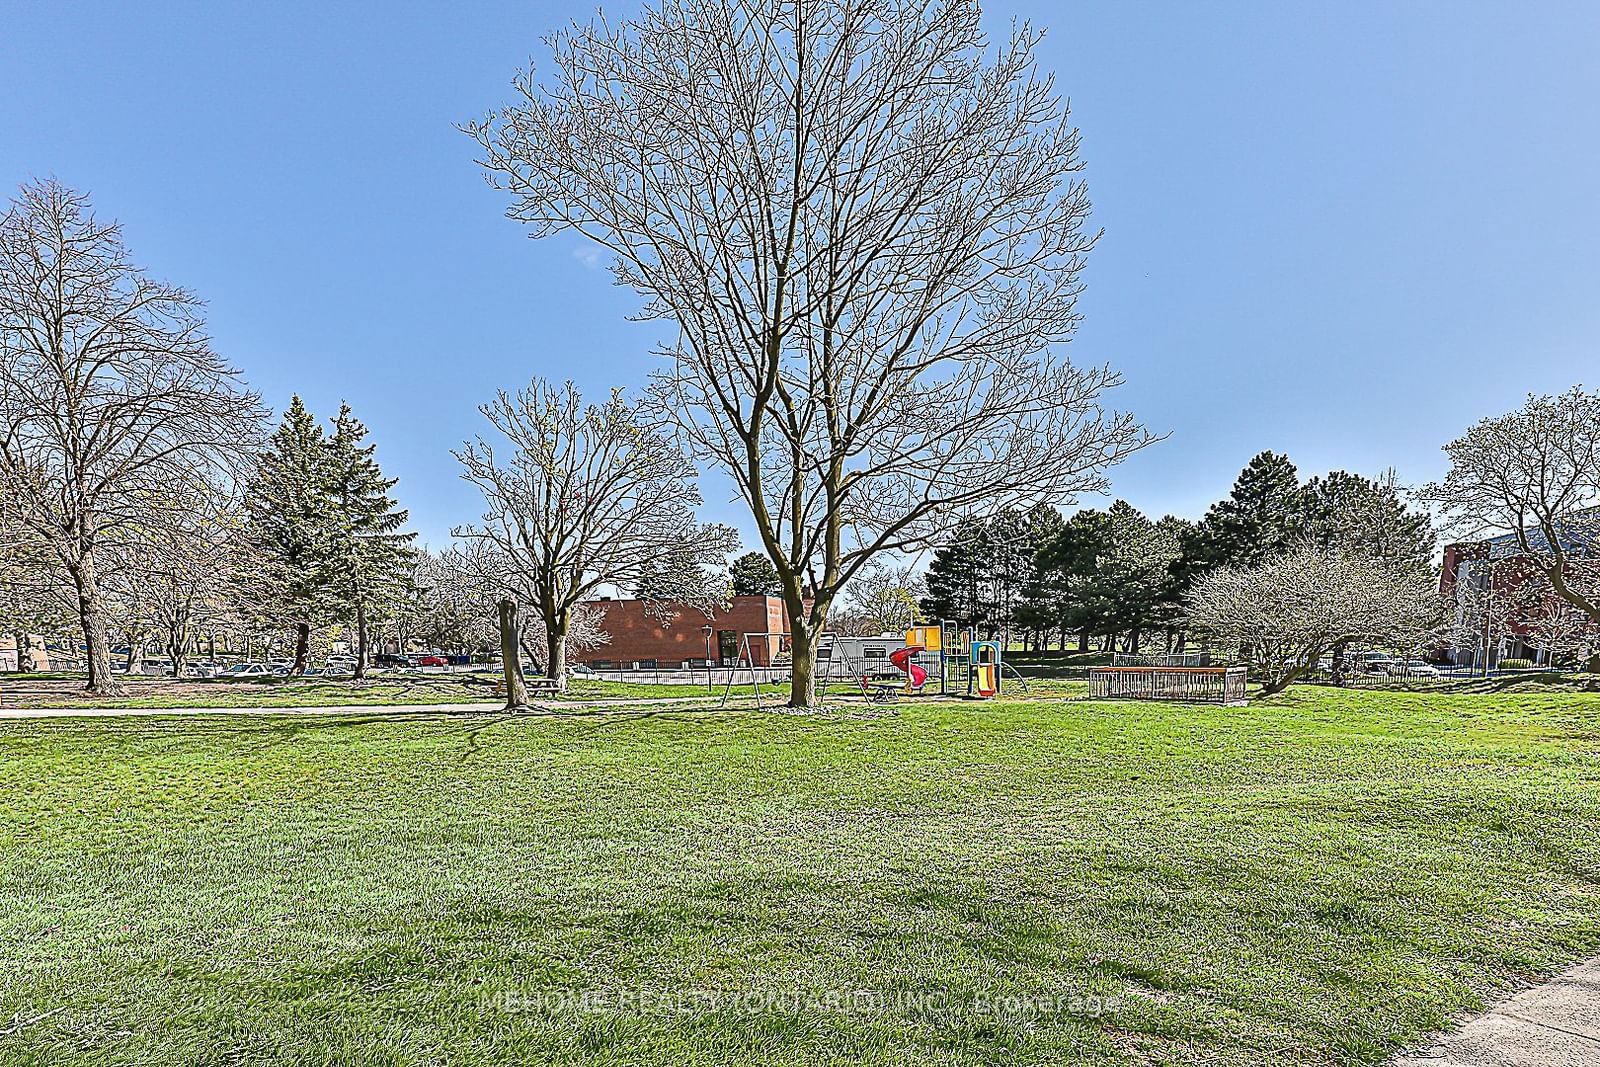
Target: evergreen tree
{"x": 754, "y": 575}
{"x": 289, "y": 531}
{"x": 1133, "y": 573}
{"x": 1181, "y": 534}
{"x": 369, "y": 560}
{"x": 958, "y": 577}
{"x": 1063, "y": 596}
{"x": 674, "y": 576}
{"x": 1008, "y": 566}
{"x": 1365, "y": 517}
{"x": 1045, "y": 524}
{"x": 1259, "y": 521}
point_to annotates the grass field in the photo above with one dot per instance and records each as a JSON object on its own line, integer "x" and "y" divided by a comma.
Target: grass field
{"x": 1318, "y": 879}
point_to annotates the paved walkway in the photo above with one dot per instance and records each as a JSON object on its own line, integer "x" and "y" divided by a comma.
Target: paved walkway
{"x": 1556, "y": 1024}
{"x": 548, "y": 706}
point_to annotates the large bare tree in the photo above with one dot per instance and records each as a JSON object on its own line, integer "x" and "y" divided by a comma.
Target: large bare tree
{"x": 579, "y": 497}
{"x": 110, "y": 395}
{"x": 869, "y": 231}
{"x": 1534, "y": 474}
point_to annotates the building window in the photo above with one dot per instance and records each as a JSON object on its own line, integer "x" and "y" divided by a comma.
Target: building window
{"x": 874, "y": 652}
{"x": 647, "y": 665}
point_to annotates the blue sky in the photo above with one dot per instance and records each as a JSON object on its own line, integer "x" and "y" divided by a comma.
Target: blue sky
{"x": 1342, "y": 231}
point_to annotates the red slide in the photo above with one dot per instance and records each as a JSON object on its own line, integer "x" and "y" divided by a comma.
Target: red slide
{"x": 901, "y": 658}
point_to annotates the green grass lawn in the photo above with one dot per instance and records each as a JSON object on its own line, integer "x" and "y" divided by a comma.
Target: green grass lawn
{"x": 34, "y": 691}
{"x": 1319, "y": 879}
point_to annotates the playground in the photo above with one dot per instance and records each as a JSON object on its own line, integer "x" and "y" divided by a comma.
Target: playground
{"x": 950, "y": 661}
{"x": 944, "y": 659}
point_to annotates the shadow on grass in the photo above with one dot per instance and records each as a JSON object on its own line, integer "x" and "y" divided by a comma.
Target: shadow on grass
{"x": 1543, "y": 683}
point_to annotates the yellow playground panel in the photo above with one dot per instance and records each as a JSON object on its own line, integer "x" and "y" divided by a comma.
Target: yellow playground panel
{"x": 928, "y": 637}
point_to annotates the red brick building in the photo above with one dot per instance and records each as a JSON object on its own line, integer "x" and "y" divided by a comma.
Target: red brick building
{"x": 1495, "y": 573}
{"x": 38, "y": 655}
{"x": 641, "y": 641}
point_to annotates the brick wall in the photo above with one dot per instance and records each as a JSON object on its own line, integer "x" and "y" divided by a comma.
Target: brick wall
{"x": 638, "y": 637}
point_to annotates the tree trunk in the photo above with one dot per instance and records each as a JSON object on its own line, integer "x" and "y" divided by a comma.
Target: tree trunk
{"x": 135, "y": 661}
{"x": 1337, "y": 667}
{"x": 802, "y": 662}
{"x": 302, "y": 647}
{"x": 555, "y": 659}
{"x": 1273, "y": 686}
{"x": 24, "y": 642}
{"x": 361, "y": 641}
{"x": 92, "y": 619}
{"x": 511, "y": 657}
{"x": 178, "y": 644}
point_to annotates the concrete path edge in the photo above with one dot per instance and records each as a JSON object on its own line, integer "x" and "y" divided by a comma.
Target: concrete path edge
{"x": 1554, "y": 1024}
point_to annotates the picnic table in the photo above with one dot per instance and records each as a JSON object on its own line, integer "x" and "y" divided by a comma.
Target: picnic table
{"x": 536, "y": 687}
{"x": 882, "y": 689}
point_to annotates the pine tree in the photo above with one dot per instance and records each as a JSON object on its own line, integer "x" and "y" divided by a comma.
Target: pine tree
{"x": 958, "y": 577}
{"x": 1181, "y": 534}
{"x": 289, "y": 532}
{"x": 1011, "y": 546}
{"x": 754, "y": 575}
{"x": 1365, "y": 517}
{"x": 1260, "y": 519}
{"x": 1134, "y": 572}
{"x": 370, "y": 558}
{"x": 1064, "y": 596}
{"x": 1031, "y": 614}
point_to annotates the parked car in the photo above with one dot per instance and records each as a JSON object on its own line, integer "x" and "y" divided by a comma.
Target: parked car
{"x": 392, "y": 659}
{"x": 1416, "y": 668}
{"x": 247, "y": 670}
{"x": 1382, "y": 665}
{"x": 432, "y": 660}
{"x": 200, "y": 670}
{"x": 581, "y": 670}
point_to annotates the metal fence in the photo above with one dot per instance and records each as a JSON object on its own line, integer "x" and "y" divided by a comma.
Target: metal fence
{"x": 1161, "y": 659}
{"x": 700, "y": 674}
{"x": 1187, "y": 685}
{"x": 1380, "y": 675}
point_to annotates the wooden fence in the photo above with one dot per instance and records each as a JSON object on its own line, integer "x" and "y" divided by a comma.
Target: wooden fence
{"x": 1187, "y": 685}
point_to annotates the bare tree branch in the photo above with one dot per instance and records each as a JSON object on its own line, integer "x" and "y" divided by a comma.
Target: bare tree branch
{"x": 869, "y": 230}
